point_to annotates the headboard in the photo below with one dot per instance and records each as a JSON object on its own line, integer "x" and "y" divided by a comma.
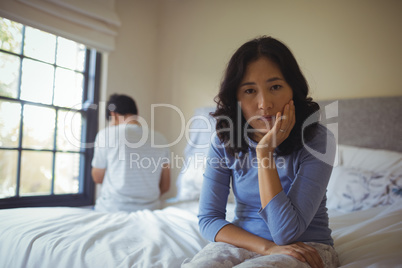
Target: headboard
{"x": 368, "y": 122}
{"x": 365, "y": 122}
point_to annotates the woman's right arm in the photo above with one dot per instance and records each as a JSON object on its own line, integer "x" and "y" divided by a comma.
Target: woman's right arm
{"x": 239, "y": 237}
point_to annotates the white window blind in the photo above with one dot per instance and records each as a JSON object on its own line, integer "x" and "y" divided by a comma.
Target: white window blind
{"x": 90, "y": 22}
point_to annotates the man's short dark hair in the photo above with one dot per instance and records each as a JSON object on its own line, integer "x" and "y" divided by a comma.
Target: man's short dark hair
{"x": 121, "y": 104}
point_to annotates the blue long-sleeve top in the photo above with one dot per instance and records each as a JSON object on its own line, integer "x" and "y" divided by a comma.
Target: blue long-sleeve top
{"x": 297, "y": 213}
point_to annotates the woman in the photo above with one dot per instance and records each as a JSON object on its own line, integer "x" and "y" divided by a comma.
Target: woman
{"x": 264, "y": 150}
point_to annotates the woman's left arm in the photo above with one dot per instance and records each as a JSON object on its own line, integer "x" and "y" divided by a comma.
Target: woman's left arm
{"x": 289, "y": 215}
{"x": 268, "y": 178}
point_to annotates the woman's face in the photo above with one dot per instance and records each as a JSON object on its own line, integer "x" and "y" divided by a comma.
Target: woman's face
{"x": 262, "y": 93}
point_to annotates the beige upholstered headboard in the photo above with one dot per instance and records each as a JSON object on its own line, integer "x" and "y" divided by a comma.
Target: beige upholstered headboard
{"x": 368, "y": 122}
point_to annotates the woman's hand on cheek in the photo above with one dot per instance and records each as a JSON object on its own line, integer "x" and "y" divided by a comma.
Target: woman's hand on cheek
{"x": 284, "y": 124}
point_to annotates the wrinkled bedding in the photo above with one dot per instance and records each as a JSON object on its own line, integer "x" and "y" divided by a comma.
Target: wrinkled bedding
{"x": 77, "y": 237}
{"x": 369, "y": 238}
{"x": 74, "y": 237}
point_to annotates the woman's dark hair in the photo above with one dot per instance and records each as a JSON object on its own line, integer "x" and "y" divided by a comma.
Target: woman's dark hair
{"x": 121, "y": 104}
{"x": 227, "y": 105}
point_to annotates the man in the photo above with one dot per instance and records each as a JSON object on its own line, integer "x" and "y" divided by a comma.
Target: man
{"x": 134, "y": 173}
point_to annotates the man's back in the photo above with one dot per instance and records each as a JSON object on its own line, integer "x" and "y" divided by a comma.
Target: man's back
{"x": 133, "y": 167}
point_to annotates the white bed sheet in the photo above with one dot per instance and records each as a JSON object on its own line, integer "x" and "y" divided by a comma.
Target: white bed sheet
{"x": 369, "y": 238}
{"x": 76, "y": 237}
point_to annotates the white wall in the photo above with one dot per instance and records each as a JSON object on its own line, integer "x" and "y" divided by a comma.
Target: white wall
{"x": 174, "y": 51}
{"x": 132, "y": 66}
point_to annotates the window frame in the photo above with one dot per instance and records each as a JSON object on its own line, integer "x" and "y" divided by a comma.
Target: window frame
{"x": 86, "y": 194}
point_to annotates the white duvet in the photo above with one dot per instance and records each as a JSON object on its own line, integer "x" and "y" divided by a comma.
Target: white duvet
{"x": 75, "y": 237}
{"x": 369, "y": 238}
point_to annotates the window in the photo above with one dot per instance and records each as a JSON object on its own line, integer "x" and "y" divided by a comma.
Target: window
{"x": 48, "y": 88}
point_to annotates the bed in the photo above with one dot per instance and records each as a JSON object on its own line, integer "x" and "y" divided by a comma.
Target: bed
{"x": 364, "y": 200}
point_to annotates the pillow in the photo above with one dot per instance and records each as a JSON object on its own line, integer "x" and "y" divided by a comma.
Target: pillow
{"x": 352, "y": 189}
{"x": 370, "y": 159}
{"x": 365, "y": 178}
{"x": 189, "y": 181}
{"x": 190, "y": 178}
